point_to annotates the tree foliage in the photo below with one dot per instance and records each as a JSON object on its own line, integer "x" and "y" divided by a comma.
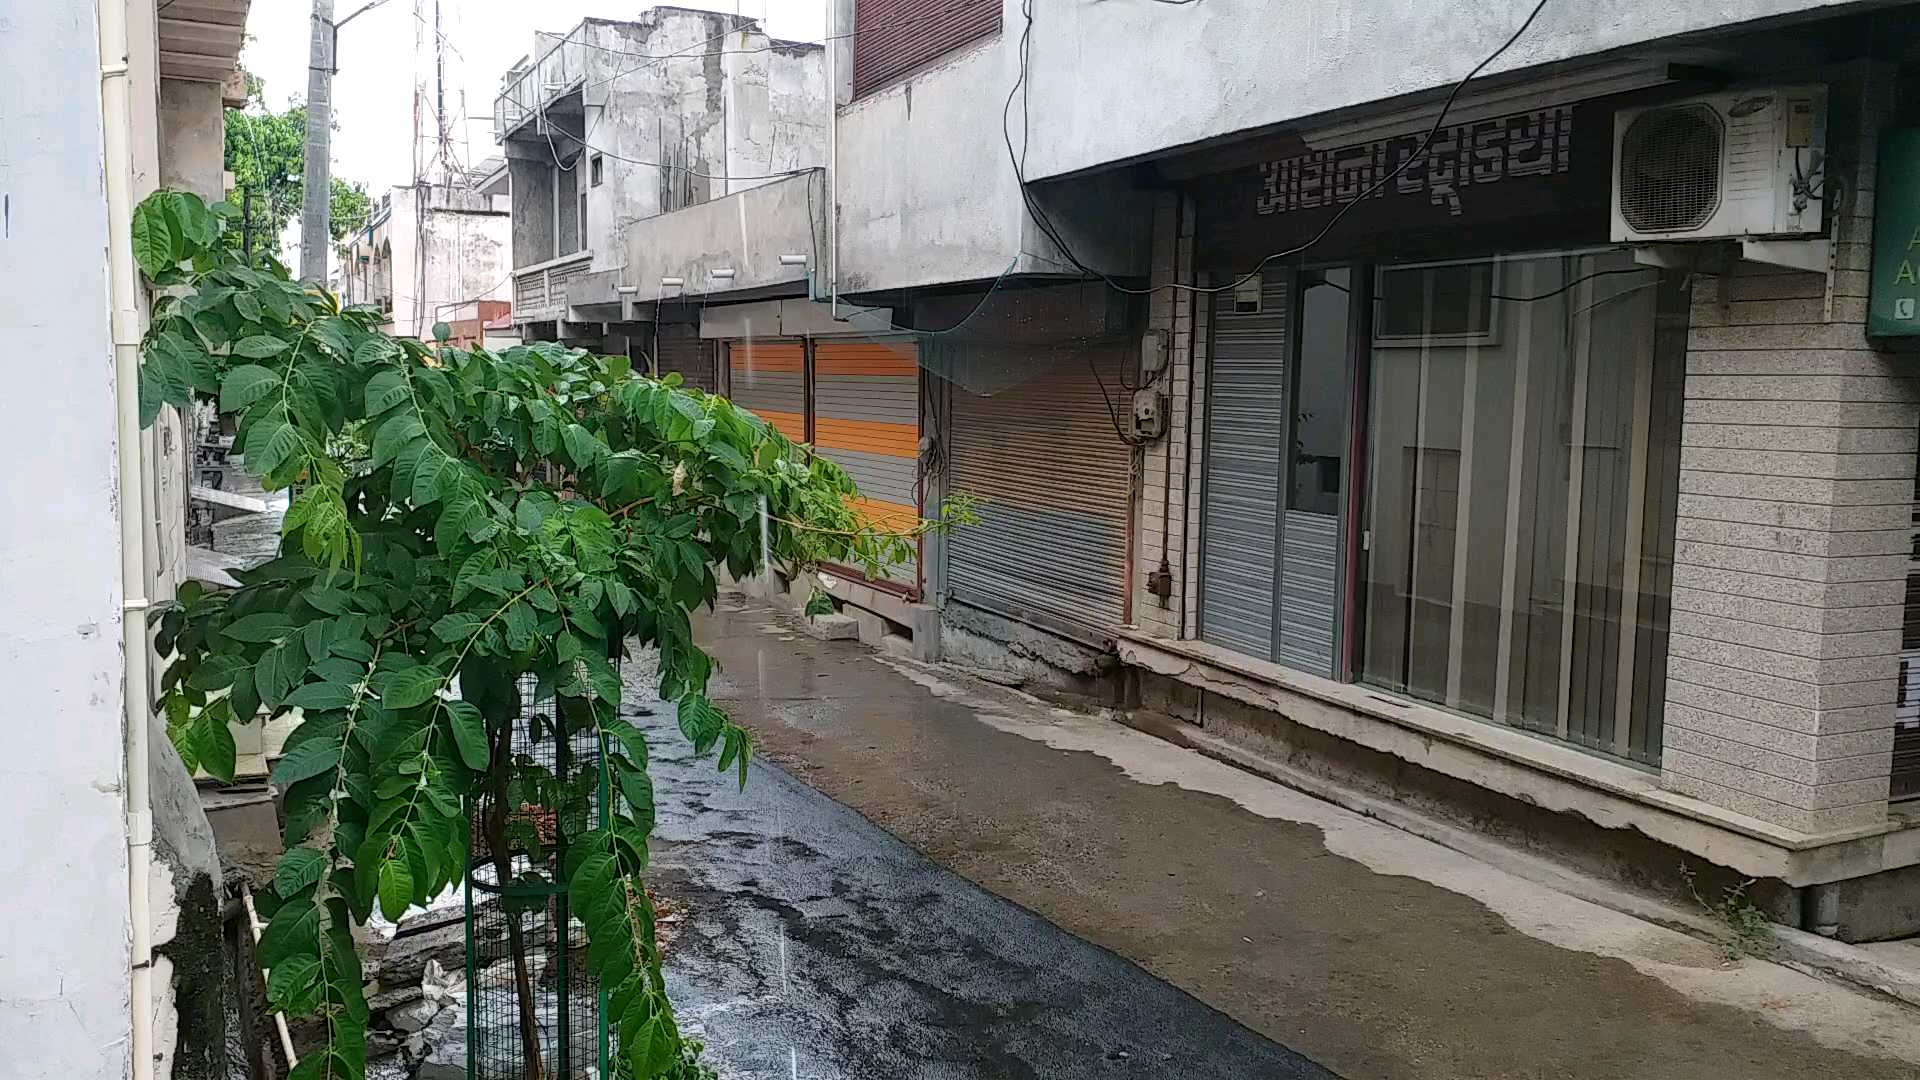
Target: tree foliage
{"x": 264, "y": 153}
{"x": 463, "y": 519}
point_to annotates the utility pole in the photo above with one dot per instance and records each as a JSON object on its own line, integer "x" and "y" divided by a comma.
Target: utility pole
{"x": 314, "y": 175}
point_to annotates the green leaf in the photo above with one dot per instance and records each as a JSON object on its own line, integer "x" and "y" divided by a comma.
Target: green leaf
{"x": 308, "y": 759}
{"x": 458, "y": 626}
{"x": 291, "y": 986}
{"x": 261, "y": 626}
{"x": 248, "y": 307}
{"x": 259, "y": 346}
{"x": 320, "y": 696}
{"x": 637, "y": 787}
{"x": 270, "y": 442}
{"x": 582, "y": 446}
{"x": 396, "y": 888}
{"x": 469, "y": 733}
{"x": 299, "y": 868}
{"x": 441, "y": 331}
{"x": 278, "y": 671}
{"x": 213, "y": 743}
{"x": 393, "y": 437}
{"x": 245, "y": 385}
{"x": 154, "y": 245}
{"x": 387, "y": 389}
{"x": 374, "y": 350}
{"x": 414, "y": 686}
{"x": 591, "y": 881}
{"x": 293, "y": 931}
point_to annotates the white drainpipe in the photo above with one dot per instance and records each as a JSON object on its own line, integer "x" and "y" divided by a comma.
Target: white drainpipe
{"x": 833, "y": 159}
{"x": 125, "y": 298}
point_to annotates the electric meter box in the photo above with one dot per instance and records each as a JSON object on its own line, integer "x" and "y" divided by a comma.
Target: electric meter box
{"x": 1893, "y": 308}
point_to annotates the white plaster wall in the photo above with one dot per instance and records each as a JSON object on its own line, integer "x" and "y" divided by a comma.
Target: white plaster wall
{"x": 926, "y": 192}
{"x": 64, "y": 1007}
{"x": 1114, "y": 79}
{"x": 468, "y": 258}
{"x": 776, "y": 111}
{"x": 468, "y": 254}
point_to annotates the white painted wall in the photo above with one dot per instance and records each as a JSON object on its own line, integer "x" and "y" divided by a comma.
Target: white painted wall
{"x": 64, "y": 1002}
{"x": 467, "y": 240}
{"x": 1114, "y": 79}
{"x": 927, "y": 193}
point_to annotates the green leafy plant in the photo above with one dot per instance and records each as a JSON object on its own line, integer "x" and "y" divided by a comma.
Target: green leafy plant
{"x": 1745, "y": 930}
{"x": 463, "y": 520}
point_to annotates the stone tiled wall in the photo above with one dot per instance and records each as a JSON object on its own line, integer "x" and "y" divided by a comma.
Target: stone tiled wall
{"x": 1163, "y": 501}
{"x": 1791, "y": 547}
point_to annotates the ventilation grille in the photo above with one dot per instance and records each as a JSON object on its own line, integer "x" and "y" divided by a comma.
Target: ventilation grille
{"x": 1670, "y": 169}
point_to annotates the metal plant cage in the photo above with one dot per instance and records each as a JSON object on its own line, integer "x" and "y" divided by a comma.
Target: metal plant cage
{"x": 528, "y": 989}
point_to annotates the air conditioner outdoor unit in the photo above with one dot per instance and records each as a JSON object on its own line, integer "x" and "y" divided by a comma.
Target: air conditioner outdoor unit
{"x": 1747, "y": 163}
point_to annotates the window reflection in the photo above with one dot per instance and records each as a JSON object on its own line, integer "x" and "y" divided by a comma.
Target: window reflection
{"x": 1524, "y": 434}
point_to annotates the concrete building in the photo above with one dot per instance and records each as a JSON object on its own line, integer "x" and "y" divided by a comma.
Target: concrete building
{"x": 112, "y": 942}
{"x": 430, "y": 249}
{"x": 1409, "y": 454}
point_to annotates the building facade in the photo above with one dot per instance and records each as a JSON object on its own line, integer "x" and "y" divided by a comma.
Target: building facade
{"x": 1380, "y": 426}
{"x": 432, "y": 250}
{"x": 113, "y": 965}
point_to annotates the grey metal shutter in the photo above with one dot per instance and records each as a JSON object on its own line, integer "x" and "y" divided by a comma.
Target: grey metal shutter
{"x": 679, "y": 348}
{"x": 1246, "y": 431}
{"x": 1054, "y": 477}
{"x": 1309, "y": 576}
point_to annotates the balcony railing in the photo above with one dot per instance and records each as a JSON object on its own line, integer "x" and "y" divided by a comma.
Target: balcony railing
{"x": 557, "y": 70}
{"x": 540, "y": 290}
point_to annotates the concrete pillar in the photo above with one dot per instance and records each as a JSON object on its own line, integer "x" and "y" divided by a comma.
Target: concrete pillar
{"x": 193, "y": 115}
{"x": 1793, "y": 534}
{"x": 1160, "y": 523}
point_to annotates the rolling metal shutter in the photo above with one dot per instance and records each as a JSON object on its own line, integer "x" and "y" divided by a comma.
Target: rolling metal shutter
{"x": 769, "y": 378}
{"x": 866, "y": 405}
{"x": 679, "y": 348}
{"x": 1052, "y": 474}
{"x": 892, "y": 37}
{"x": 1246, "y": 431}
{"x": 1309, "y": 575}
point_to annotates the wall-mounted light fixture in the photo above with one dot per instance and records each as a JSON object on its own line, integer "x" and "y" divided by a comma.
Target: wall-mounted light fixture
{"x": 724, "y": 273}
{"x": 793, "y": 260}
{"x": 672, "y": 282}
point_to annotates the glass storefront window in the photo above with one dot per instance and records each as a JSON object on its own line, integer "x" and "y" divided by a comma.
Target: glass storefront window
{"x": 1320, "y": 391}
{"x": 1522, "y": 470}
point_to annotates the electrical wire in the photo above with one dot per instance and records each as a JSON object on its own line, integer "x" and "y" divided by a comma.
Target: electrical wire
{"x": 1052, "y": 233}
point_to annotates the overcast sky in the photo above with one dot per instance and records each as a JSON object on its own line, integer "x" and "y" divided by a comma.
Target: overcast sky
{"x": 379, "y": 65}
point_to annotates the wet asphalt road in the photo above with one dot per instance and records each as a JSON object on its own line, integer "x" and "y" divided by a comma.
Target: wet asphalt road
{"x": 817, "y": 946}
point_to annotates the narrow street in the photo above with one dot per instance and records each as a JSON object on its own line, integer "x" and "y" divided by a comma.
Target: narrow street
{"x": 815, "y": 944}
{"x": 804, "y": 941}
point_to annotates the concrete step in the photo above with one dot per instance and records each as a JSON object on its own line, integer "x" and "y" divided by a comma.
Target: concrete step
{"x": 834, "y": 627}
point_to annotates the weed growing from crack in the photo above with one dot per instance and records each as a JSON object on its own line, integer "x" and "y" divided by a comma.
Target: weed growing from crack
{"x": 1744, "y": 930}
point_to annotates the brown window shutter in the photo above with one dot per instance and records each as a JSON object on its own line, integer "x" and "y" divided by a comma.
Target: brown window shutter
{"x": 893, "y": 37}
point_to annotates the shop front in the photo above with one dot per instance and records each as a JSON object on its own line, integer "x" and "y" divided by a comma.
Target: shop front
{"x": 1441, "y": 452}
{"x": 856, "y": 401}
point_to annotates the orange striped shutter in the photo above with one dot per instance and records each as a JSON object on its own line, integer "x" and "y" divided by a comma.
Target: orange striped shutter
{"x": 769, "y": 378}
{"x": 866, "y": 399}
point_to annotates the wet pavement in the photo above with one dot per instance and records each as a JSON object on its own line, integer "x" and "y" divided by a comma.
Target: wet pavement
{"x": 1371, "y": 951}
{"x": 816, "y": 945}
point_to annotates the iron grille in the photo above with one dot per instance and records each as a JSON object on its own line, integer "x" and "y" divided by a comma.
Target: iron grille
{"x": 1670, "y": 169}
{"x": 528, "y": 988}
